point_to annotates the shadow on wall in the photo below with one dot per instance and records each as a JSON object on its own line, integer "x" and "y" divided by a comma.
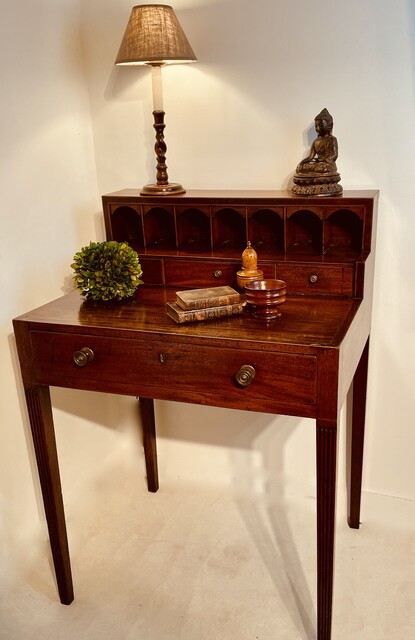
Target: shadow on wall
{"x": 270, "y": 520}
{"x": 267, "y": 519}
{"x": 245, "y": 55}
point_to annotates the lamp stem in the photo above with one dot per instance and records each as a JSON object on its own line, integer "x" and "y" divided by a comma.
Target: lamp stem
{"x": 157, "y": 87}
{"x": 163, "y": 186}
{"x": 160, "y": 148}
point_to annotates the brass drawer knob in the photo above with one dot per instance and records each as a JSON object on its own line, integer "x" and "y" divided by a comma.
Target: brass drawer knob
{"x": 245, "y": 375}
{"x": 218, "y": 273}
{"x": 83, "y": 356}
{"x": 313, "y": 279}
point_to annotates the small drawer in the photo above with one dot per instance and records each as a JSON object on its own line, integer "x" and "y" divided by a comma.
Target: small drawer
{"x": 267, "y": 268}
{"x": 316, "y": 279}
{"x": 152, "y": 270}
{"x": 200, "y": 273}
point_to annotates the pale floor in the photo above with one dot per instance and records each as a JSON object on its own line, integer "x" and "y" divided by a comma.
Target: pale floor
{"x": 199, "y": 563}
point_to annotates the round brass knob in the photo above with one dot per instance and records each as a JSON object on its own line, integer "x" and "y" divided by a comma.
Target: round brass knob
{"x": 218, "y": 273}
{"x": 245, "y": 375}
{"x": 83, "y": 356}
{"x": 313, "y": 279}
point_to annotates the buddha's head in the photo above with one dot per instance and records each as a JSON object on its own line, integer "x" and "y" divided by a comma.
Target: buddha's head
{"x": 323, "y": 122}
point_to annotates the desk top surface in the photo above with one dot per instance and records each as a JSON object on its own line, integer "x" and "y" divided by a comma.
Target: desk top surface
{"x": 305, "y": 321}
{"x": 244, "y": 195}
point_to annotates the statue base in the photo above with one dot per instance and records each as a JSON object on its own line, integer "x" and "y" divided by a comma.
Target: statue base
{"x": 317, "y": 184}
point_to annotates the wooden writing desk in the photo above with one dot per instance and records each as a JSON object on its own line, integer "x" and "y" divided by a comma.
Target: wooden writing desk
{"x": 305, "y": 363}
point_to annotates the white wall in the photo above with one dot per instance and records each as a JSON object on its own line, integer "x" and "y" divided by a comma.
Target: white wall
{"x": 49, "y": 200}
{"x": 242, "y": 118}
{"x": 239, "y": 118}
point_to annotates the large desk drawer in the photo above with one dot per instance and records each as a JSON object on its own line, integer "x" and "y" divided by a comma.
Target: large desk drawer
{"x": 164, "y": 370}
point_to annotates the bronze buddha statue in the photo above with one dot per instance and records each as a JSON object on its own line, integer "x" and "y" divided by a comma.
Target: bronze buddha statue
{"x": 317, "y": 173}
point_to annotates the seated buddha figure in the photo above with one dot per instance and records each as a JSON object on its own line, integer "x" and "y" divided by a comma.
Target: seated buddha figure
{"x": 317, "y": 173}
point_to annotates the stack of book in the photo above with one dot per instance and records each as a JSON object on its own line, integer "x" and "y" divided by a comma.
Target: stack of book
{"x": 205, "y": 304}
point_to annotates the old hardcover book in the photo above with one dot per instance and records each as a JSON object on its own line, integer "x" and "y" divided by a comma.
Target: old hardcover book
{"x": 196, "y": 315}
{"x": 207, "y": 298}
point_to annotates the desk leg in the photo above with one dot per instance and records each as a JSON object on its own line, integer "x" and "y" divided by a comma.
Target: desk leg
{"x": 149, "y": 441}
{"x": 326, "y": 498}
{"x": 41, "y": 423}
{"x": 358, "y": 431}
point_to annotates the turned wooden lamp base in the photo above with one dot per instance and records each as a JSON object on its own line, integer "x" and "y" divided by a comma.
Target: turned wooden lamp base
{"x": 162, "y": 186}
{"x": 162, "y": 189}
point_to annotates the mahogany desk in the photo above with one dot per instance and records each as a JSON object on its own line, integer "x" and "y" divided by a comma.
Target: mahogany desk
{"x": 305, "y": 363}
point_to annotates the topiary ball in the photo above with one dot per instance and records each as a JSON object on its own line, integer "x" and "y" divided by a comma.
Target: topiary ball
{"x": 107, "y": 271}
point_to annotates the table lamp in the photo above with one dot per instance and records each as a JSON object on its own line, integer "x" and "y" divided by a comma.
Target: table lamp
{"x": 154, "y": 37}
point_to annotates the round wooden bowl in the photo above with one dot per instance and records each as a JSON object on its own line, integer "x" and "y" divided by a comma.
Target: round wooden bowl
{"x": 265, "y": 297}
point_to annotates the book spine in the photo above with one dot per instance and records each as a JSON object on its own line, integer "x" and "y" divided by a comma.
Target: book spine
{"x": 208, "y": 303}
{"x": 198, "y": 315}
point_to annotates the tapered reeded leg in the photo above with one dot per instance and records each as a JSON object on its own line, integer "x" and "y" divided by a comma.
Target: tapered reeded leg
{"x": 41, "y": 423}
{"x": 358, "y": 432}
{"x": 326, "y": 501}
{"x": 149, "y": 441}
